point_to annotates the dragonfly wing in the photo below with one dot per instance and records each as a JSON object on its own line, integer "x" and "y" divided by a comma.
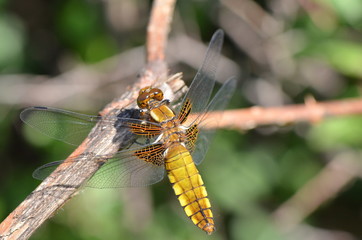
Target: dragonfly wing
{"x": 66, "y": 126}
{"x": 205, "y": 133}
{"x": 44, "y": 171}
{"x": 123, "y": 136}
{"x": 124, "y": 169}
{"x": 128, "y": 170}
{"x": 203, "y": 83}
{"x": 72, "y": 128}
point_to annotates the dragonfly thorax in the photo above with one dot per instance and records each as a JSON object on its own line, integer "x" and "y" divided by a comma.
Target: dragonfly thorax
{"x": 172, "y": 133}
{"x": 161, "y": 113}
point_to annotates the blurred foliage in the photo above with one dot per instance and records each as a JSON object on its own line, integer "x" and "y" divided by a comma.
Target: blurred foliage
{"x": 12, "y": 45}
{"x": 248, "y": 174}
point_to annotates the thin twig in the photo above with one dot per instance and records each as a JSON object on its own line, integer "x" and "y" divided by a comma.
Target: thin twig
{"x": 66, "y": 180}
{"x": 311, "y": 111}
{"x": 158, "y": 29}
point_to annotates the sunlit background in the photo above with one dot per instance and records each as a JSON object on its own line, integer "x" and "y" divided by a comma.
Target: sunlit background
{"x": 298, "y": 181}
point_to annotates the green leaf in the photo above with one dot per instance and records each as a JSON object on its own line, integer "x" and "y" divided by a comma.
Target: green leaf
{"x": 337, "y": 133}
{"x": 11, "y": 43}
{"x": 350, "y": 10}
{"x": 345, "y": 56}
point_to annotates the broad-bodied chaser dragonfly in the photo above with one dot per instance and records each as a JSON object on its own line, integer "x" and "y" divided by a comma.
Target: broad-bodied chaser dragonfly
{"x": 173, "y": 142}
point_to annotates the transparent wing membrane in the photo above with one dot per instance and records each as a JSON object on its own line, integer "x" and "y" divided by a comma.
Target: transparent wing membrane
{"x": 203, "y": 83}
{"x": 205, "y": 134}
{"x": 199, "y": 94}
{"x": 123, "y": 169}
{"x": 65, "y": 126}
{"x": 44, "y": 171}
{"x": 73, "y": 128}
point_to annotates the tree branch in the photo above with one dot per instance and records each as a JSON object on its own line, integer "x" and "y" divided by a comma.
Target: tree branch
{"x": 311, "y": 111}
{"x": 66, "y": 180}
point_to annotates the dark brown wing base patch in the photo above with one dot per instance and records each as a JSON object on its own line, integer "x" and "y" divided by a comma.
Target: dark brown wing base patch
{"x": 152, "y": 154}
{"x": 185, "y": 111}
{"x": 146, "y": 130}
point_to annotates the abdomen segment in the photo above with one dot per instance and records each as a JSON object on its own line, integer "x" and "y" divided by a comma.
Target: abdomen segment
{"x": 189, "y": 187}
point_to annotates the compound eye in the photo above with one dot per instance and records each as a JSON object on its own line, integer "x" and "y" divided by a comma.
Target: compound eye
{"x": 142, "y": 100}
{"x": 143, "y": 90}
{"x": 157, "y": 94}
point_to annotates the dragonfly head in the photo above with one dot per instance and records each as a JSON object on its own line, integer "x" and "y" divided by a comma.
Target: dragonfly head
{"x": 146, "y": 94}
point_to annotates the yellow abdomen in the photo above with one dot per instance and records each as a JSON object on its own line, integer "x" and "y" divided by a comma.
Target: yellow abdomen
{"x": 189, "y": 187}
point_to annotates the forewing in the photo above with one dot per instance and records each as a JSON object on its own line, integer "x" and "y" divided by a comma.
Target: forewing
{"x": 123, "y": 136}
{"x": 205, "y": 133}
{"x": 66, "y": 126}
{"x": 203, "y": 83}
{"x": 124, "y": 169}
{"x": 72, "y": 128}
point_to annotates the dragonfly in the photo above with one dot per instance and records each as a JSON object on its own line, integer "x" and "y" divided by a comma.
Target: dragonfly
{"x": 158, "y": 138}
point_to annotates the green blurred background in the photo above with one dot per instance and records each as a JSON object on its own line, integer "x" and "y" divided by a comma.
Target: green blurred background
{"x": 78, "y": 55}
